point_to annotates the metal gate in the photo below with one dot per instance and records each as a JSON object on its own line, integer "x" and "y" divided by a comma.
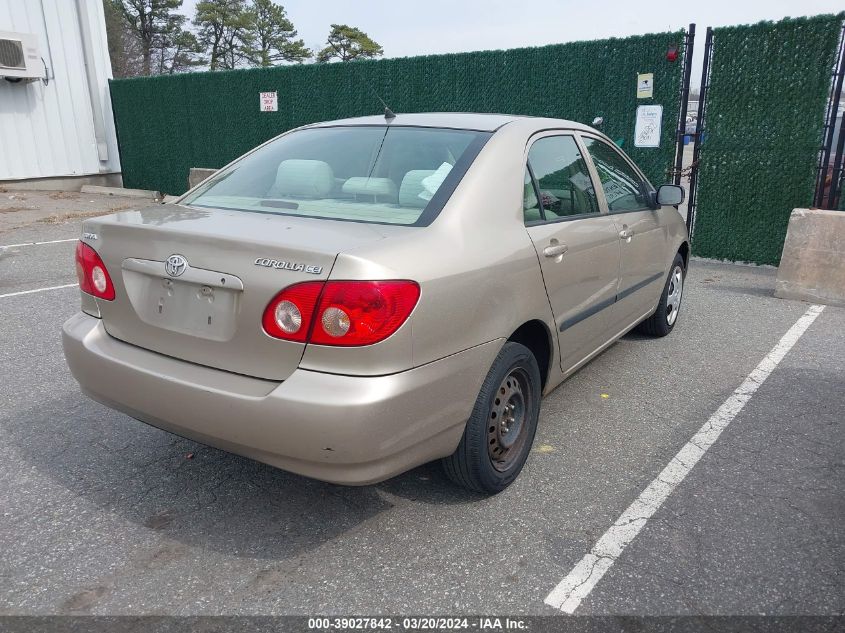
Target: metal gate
{"x": 689, "y": 40}
{"x": 831, "y": 168}
{"x": 698, "y": 134}
{"x": 765, "y": 90}
{"x": 677, "y": 172}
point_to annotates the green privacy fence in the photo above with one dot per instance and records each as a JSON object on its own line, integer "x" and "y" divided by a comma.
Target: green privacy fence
{"x": 769, "y": 85}
{"x": 169, "y": 124}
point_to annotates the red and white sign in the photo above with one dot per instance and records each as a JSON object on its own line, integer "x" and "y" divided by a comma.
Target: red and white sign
{"x": 269, "y": 102}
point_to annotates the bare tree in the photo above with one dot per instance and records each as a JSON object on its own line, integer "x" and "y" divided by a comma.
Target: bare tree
{"x": 152, "y": 21}
{"x": 124, "y": 48}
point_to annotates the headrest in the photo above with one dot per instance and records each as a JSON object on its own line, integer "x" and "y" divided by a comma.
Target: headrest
{"x": 306, "y": 178}
{"x": 359, "y": 185}
{"x": 412, "y": 187}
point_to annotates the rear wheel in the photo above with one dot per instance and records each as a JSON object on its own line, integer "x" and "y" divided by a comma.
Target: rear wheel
{"x": 500, "y": 431}
{"x": 664, "y": 318}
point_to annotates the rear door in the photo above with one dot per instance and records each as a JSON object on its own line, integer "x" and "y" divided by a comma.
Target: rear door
{"x": 642, "y": 238}
{"x": 576, "y": 243}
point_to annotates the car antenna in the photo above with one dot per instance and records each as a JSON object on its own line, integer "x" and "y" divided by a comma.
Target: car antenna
{"x": 388, "y": 113}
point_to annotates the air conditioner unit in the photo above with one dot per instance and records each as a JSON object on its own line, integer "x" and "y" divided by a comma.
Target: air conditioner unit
{"x": 20, "y": 59}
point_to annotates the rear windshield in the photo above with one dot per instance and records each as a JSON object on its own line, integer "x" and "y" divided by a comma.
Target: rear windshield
{"x": 379, "y": 174}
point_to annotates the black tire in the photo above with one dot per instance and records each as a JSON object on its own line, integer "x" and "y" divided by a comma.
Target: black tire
{"x": 662, "y": 321}
{"x": 499, "y": 433}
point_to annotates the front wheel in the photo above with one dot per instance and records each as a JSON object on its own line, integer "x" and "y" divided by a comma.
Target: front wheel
{"x": 500, "y": 431}
{"x": 664, "y": 318}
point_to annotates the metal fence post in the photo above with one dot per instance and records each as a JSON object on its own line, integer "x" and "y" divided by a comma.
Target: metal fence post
{"x": 689, "y": 41}
{"x": 699, "y": 131}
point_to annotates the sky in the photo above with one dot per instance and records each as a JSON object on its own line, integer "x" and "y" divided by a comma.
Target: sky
{"x": 413, "y": 27}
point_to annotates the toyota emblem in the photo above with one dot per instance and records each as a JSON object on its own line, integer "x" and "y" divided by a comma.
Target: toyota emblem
{"x": 175, "y": 265}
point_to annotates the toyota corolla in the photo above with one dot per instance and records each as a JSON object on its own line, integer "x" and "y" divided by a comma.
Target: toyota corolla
{"x": 354, "y": 298}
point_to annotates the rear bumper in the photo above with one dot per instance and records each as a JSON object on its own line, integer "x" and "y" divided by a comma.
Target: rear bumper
{"x": 343, "y": 429}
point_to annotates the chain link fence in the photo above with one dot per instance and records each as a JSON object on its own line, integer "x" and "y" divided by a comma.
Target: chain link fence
{"x": 169, "y": 124}
{"x": 768, "y": 89}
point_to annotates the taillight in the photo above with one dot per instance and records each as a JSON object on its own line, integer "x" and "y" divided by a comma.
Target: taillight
{"x": 290, "y": 313}
{"x": 341, "y": 313}
{"x": 362, "y": 312}
{"x": 92, "y": 274}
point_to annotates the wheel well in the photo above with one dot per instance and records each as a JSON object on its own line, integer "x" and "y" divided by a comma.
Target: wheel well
{"x": 535, "y": 336}
{"x": 684, "y": 251}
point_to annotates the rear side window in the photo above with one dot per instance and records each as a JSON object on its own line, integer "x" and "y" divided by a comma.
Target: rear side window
{"x": 530, "y": 202}
{"x": 379, "y": 174}
{"x": 623, "y": 187}
{"x": 562, "y": 177}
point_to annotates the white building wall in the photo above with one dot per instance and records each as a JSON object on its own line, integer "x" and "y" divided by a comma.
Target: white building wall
{"x": 63, "y": 128}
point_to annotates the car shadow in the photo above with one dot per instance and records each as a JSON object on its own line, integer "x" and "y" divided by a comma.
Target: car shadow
{"x": 634, "y": 335}
{"x": 197, "y": 495}
{"x": 754, "y": 291}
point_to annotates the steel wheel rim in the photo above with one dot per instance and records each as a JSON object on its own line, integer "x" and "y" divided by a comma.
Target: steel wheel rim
{"x": 507, "y": 420}
{"x": 673, "y": 294}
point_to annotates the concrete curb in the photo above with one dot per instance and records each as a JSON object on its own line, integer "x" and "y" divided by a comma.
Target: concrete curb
{"x": 120, "y": 191}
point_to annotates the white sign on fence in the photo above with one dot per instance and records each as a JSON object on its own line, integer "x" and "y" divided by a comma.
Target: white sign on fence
{"x": 645, "y": 85}
{"x": 269, "y": 102}
{"x": 647, "y": 127}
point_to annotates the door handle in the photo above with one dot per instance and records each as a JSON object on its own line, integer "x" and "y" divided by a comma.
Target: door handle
{"x": 626, "y": 234}
{"x": 555, "y": 250}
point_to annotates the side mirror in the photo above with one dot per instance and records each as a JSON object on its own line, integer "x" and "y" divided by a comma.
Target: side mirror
{"x": 670, "y": 195}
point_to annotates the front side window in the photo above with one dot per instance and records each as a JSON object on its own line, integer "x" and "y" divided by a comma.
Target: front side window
{"x": 623, "y": 188}
{"x": 381, "y": 174}
{"x": 562, "y": 177}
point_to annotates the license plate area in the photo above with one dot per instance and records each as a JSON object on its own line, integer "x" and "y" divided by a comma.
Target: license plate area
{"x": 200, "y": 303}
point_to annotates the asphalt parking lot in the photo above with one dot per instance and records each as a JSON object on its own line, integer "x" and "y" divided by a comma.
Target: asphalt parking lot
{"x": 101, "y": 514}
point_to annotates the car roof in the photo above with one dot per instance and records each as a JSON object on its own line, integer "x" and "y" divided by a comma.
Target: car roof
{"x": 456, "y": 120}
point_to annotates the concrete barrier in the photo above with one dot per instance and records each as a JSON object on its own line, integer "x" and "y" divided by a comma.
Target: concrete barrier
{"x": 198, "y": 174}
{"x": 812, "y": 266}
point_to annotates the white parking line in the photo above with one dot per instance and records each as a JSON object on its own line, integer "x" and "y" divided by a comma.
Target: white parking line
{"x": 73, "y": 239}
{"x": 29, "y": 292}
{"x": 578, "y": 584}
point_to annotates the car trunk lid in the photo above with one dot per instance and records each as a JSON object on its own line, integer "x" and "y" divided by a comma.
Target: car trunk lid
{"x": 193, "y": 283}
